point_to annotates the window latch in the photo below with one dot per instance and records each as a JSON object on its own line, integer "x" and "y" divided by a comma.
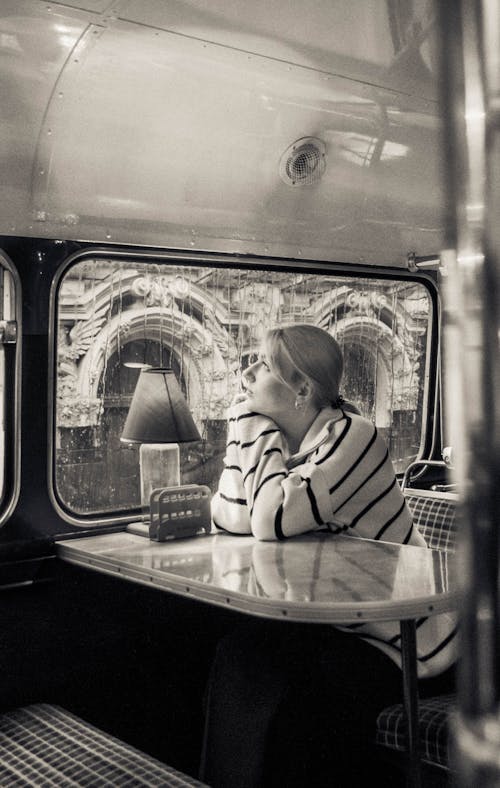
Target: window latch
{"x": 8, "y": 332}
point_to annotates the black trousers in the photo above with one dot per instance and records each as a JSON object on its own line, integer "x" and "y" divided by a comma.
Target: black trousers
{"x": 291, "y": 705}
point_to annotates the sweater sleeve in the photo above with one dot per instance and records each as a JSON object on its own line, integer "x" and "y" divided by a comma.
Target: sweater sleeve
{"x": 229, "y": 504}
{"x": 281, "y": 503}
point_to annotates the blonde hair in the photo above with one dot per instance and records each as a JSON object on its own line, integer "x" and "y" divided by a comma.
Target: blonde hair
{"x": 313, "y": 355}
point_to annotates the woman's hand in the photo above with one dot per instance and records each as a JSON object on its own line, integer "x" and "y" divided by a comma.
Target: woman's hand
{"x": 239, "y": 397}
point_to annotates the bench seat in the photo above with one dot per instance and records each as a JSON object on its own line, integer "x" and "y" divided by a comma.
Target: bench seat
{"x": 433, "y": 726}
{"x": 46, "y": 745}
{"x": 434, "y": 514}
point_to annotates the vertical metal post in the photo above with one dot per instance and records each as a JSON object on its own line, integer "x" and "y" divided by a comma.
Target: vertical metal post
{"x": 471, "y": 149}
{"x": 410, "y": 695}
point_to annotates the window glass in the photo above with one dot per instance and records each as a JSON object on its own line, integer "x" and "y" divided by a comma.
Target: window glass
{"x": 207, "y": 323}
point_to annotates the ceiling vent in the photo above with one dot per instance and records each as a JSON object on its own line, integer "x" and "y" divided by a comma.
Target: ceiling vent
{"x": 304, "y": 162}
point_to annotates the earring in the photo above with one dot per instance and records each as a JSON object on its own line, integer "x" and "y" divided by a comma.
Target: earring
{"x": 298, "y": 404}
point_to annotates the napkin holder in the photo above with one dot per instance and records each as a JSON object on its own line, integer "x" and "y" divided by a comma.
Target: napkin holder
{"x": 179, "y": 512}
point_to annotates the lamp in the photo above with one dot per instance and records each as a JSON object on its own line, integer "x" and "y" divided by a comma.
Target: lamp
{"x": 158, "y": 419}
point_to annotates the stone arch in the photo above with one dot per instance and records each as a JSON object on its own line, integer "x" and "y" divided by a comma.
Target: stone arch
{"x": 199, "y": 356}
{"x": 396, "y": 384}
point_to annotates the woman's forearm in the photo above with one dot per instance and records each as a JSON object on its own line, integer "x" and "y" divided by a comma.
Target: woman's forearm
{"x": 229, "y": 504}
{"x": 281, "y": 503}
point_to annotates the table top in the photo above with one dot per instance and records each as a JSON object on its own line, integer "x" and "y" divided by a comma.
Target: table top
{"x": 312, "y": 578}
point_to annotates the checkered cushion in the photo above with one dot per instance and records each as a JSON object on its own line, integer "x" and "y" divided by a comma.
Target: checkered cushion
{"x": 433, "y": 728}
{"x": 434, "y": 515}
{"x": 48, "y": 746}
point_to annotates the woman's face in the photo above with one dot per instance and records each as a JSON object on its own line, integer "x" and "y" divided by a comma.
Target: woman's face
{"x": 265, "y": 392}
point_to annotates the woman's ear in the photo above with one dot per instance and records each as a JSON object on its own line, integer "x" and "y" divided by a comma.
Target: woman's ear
{"x": 304, "y": 391}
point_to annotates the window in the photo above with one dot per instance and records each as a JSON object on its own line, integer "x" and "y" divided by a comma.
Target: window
{"x": 206, "y": 322}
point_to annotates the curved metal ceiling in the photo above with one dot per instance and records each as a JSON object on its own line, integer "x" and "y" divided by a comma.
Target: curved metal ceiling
{"x": 163, "y": 122}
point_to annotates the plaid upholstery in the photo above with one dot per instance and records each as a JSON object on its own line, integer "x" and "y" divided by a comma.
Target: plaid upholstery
{"x": 46, "y": 745}
{"x": 434, "y": 515}
{"x": 433, "y": 729}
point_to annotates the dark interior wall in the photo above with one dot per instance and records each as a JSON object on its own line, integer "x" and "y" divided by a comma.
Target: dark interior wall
{"x": 131, "y": 660}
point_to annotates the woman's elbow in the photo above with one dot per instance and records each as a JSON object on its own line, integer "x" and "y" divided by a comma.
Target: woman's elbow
{"x": 264, "y": 532}
{"x": 229, "y": 517}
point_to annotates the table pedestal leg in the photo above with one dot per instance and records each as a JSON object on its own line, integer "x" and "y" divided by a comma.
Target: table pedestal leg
{"x": 410, "y": 691}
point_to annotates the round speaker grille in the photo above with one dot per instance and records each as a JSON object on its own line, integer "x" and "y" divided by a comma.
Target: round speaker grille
{"x": 303, "y": 162}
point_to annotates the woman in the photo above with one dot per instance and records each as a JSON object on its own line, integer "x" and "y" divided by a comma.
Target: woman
{"x": 293, "y": 704}
{"x": 298, "y": 458}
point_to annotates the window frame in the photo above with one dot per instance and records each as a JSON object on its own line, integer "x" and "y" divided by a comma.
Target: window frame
{"x": 430, "y": 404}
{"x": 11, "y": 470}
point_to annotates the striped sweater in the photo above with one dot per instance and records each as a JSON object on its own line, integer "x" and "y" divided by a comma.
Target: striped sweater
{"x": 341, "y": 480}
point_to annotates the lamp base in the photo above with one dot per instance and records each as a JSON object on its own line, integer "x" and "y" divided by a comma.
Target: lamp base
{"x": 160, "y": 467}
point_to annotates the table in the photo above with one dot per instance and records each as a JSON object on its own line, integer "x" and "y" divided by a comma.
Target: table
{"x": 311, "y": 578}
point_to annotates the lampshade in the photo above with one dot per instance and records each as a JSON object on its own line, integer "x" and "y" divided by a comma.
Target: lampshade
{"x": 158, "y": 412}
